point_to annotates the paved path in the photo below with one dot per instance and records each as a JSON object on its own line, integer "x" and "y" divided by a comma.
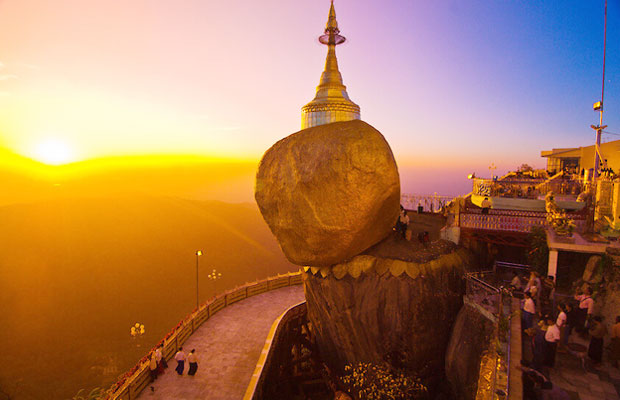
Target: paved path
{"x": 581, "y": 380}
{"x": 575, "y": 373}
{"x": 228, "y": 346}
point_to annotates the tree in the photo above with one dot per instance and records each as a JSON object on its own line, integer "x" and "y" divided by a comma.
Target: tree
{"x": 538, "y": 251}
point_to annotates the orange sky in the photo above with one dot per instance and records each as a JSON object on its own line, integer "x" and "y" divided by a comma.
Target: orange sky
{"x": 226, "y": 79}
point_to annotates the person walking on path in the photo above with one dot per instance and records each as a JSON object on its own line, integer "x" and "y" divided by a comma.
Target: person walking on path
{"x": 552, "y": 337}
{"x": 180, "y": 358}
{"x": 159, "y": 357}
{"x": 585, "y": 309}
{"x": 561, "y": 323}
{"x": 534, "y": 287}
{"x": 529, "y": 310}
{"x": 403, "y": 219}
{"x": 193, "y": 362}
{"x": 571, "y": 322}
{"x": 614, "y": 353}
{"x": 153, "y": 366}
{"x": 598, "y": 330}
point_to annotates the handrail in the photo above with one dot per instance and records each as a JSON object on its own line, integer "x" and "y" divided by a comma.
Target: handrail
{"x": 130, "y": 384}
{"x": 498, "y": 312}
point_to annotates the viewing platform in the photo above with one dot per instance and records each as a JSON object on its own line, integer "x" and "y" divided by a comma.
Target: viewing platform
{"x": 228, "y": 346}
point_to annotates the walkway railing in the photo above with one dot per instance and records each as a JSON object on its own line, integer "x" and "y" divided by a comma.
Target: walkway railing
{"x": 526, "y": 188}
{"x": 428, "y": 202}
{"x": 510, "y": 220}
{"x": 490, "y": 302}
{"x": 129, "y": 385}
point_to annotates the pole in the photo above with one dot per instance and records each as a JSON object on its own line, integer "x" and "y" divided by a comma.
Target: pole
{"x": 599, "y": 128}
{"x": 197, "y": 279}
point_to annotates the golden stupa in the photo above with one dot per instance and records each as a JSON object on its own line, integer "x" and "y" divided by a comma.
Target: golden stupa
{"x": 331, "y": 103}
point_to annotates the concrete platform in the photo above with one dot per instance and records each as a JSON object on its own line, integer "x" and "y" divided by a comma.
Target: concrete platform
{"x": 228, "y": 346}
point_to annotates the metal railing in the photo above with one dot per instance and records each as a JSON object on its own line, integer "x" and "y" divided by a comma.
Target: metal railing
{"x": 511, "y": 220}
{"x": 526, "y": 188}
{"x": 130, "y": 384}
{"x": 428, "y": 202}
{"x": 482, "y": 288}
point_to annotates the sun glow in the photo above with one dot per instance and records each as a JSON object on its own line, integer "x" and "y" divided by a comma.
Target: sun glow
{"x": 53, "y": 152}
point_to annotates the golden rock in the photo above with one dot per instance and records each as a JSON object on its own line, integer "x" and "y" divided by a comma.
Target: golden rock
{"x": 329, "y": 192}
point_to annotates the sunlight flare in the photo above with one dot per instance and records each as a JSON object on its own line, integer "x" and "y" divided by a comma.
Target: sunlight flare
{"x": 53, "y": 152}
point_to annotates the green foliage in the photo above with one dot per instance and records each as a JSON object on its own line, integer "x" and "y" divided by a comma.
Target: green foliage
{"x": 95, "y": 394}
{"x": 378, "y": 382}
{"x": 504, "y": 325}
{"x": 538, "y": 251}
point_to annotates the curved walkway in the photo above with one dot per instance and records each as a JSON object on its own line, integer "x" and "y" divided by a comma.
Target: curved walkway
{"x": 228, "y": 346}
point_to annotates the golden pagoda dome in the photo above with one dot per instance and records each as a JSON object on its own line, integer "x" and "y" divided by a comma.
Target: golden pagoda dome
{"x": 331, "y": 103}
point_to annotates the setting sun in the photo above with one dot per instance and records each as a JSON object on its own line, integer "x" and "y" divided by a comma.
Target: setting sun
{"x": 53, "y": 152}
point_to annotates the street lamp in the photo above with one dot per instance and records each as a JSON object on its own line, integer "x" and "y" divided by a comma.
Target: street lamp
{"x": 198, "y": 254}
{"x": 136, "y": 331}
{"x": 214, "y": 276}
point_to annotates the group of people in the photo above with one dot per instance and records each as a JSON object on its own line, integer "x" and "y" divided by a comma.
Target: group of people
{"x": 158, "y": 364}
{"x": 191, "y": 358}
{"x": 555, "y": 325}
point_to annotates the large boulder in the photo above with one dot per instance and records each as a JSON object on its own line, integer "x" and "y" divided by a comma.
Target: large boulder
{"x": 470, "y": 342}
{"x": 374, "y": 310}
{"x": 329, "y": 192}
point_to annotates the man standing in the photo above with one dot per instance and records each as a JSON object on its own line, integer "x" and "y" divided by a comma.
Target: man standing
{"x": 586, "y": 308}
{"x": 529, "y": 309}
{"x": 552, "y": 337}
{"x": 180, "y": 358}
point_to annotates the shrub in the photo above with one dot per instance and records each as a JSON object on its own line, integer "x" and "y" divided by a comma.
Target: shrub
{"x": 378, "y": 382}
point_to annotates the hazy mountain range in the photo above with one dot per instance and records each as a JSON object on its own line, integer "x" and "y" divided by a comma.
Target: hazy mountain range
{"x": 82, "y": 261}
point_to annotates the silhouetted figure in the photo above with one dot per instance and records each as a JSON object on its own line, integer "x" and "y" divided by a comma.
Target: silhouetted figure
{"x": 486, "y": 204}
{"x": 552, "y": 337}
{"x": 614, "y": 346}
{"x": 161, "y": 361}
{"x": 598, "y": 330}
{"x": 153, "y": 366}
{"x": 585, "y": 309}
{"x": 404, "y": 223}
{"x": 529, "y": 309}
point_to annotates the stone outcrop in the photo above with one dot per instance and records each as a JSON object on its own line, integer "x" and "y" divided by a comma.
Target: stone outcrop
{"x": 590, "y": 273}
{"x": 470, "y": 342}
{"x": 374, "y": 309}
{"x": 329, "y": 192}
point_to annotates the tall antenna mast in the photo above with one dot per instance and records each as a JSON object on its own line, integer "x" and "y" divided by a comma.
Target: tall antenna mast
{"x": 599, "y": 106}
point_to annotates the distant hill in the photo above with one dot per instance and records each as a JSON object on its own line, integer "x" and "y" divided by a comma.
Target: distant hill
{"x": 76, "y": 273}
{"x": 26, "y": 181}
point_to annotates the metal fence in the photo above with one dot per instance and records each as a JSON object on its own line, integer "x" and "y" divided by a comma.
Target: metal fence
{"x": 428, "y": 202}
{"x": 484, "y": 288}
{"x": 511, "y": 220}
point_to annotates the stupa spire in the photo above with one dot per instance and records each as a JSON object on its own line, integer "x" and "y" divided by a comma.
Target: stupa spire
{"x": 331, "y": 103}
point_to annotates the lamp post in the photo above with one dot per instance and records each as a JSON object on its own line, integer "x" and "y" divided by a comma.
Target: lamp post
{"x": 198, "y": 254}
{"x": 136, "y": 331}
{"x": 214, "y": 276}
